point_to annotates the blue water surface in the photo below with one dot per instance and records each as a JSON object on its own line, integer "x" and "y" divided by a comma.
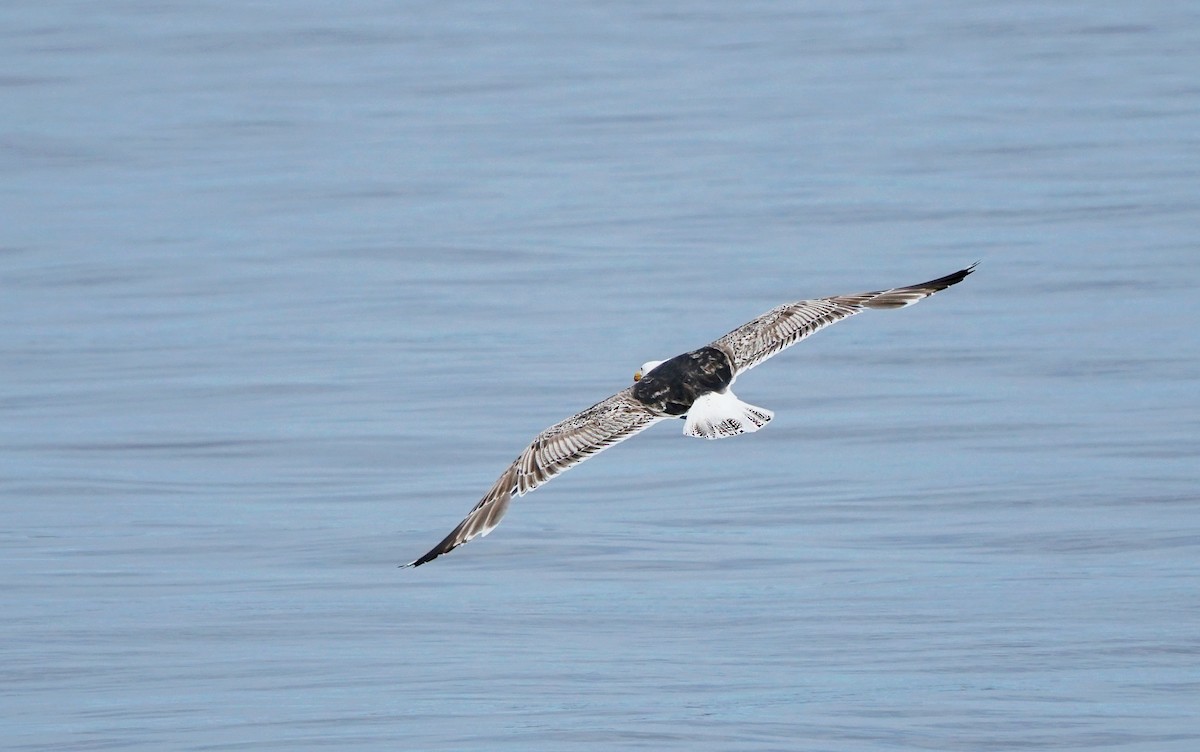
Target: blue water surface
{"x": 285, "y": 286}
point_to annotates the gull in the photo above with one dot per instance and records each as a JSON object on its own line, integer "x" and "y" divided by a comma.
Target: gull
{"x": 694, "y": 386}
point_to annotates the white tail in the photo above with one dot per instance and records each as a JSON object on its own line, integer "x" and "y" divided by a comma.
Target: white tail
{"x": 719, "y": 415}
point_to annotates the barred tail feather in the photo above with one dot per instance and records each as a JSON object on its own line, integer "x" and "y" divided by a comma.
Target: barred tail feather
{"x": 719, "y": 415}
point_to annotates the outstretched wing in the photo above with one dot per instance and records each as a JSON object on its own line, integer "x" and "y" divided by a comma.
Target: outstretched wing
{"x": 556, "y": 449}
{"x": 785, "y": 325}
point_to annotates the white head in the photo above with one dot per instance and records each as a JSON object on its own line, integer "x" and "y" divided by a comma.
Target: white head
{"x": 646, "y": 368}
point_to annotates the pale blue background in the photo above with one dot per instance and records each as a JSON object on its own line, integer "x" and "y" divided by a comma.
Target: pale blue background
{"x": 285, "y": 285}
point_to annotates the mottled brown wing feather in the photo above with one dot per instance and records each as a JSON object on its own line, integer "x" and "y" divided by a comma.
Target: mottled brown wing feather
{"x": 785, "y": 325}
{"x": 556, "y": 449}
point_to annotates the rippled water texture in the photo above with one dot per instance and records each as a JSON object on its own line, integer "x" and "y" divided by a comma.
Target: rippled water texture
{"x": 284, "y": 287}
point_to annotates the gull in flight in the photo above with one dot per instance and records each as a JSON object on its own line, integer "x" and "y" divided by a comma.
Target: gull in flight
{"x": 694, "y": 386}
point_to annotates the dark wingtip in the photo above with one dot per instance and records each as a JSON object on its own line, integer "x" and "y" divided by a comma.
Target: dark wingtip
{"x": 950, "y": 279}
{"x": 424, "y": 559}
{"x": 448, "y": 544}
